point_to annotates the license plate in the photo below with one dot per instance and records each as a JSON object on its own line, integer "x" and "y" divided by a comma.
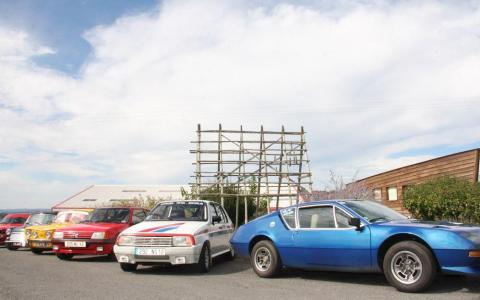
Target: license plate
{"x": 40, "y": 244}
{"x": 150, "y": 251}
{"x": 17, "y": 244}
{"x": 75, "y": 244}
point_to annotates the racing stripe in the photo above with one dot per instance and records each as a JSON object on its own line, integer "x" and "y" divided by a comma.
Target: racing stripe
{"x": 153, "y": 229}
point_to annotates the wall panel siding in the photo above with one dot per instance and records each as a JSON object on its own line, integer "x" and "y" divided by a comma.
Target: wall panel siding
{"x": 463, "y": 164}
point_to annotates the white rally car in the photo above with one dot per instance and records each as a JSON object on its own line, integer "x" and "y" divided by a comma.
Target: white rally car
{"x": 177, "y": 232}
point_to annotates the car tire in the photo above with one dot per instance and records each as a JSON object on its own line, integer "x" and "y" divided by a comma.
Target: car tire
{"x": 230, "y": 254}
{"x": 205, "y": 260}
{"x": 128, "y": 267}
{"x": 409, "y": 267}
{"x": 37, "y": 251}
{"x": 12, "y": 248}
{"x": 64, "y": 256}
{"x": 265, "y": 260}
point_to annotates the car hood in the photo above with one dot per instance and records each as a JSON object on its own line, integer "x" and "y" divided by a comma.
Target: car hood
{"x": 95, "y": 227}
{"x": 450, "y": 226}
{"x": 165, "y": 228}
{"x": 48, "y": 227}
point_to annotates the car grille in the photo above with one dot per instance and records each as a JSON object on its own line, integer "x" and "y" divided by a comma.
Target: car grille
{"x": 15, "y": 235}
{"x": 77, "y": 235}
{"x": 164, "y": 241}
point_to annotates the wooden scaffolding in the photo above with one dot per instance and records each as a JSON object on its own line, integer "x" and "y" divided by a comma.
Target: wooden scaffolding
{"x": 277, "y": 161}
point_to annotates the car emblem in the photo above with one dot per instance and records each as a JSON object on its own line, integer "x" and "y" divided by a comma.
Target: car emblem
{"x": 76, "y": 235}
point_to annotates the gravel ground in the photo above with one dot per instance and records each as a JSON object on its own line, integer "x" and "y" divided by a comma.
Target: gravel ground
{"x": 25, "y": 275}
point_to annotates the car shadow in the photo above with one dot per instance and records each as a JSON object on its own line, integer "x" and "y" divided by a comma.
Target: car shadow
{"x": 94, "y": 258}
{"x": 221, "y": 266}
{"x": 443, "y": 283}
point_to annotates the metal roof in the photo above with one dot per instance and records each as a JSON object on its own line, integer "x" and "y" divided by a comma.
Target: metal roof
{"x": 109, "y": 195}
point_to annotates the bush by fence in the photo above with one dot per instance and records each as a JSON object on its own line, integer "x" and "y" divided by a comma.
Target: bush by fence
{"x": 445, "y": 198}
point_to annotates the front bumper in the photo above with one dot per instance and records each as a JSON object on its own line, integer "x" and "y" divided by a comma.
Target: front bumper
{"x": 173, "y": 255}
{"x": 458, "y": 262}
{"x": 17, "y": 239}
{"x": 40, "y": 244}
{"x": 93, "y": 247}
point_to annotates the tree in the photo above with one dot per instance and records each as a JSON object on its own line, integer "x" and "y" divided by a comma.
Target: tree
{"x": 444, "y": 198}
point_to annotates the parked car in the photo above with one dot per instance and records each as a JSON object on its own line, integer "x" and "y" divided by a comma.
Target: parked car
{"x": 361, "y": 236}
{"x": 177, "y": 232}
{"x": 10, "y": 221}
{"x": 17, "y": 238}
{"x": 95, "y": 235}
{"x": 40, "y": 237}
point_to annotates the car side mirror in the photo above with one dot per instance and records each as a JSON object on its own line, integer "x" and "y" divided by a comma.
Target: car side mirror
{"x": 216, "y": 219}
{"x": 355, "y": 222}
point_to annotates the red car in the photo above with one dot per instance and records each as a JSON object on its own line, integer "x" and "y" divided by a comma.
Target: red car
{"x": 10, "y": 221}
{"x": 97, "y": 234}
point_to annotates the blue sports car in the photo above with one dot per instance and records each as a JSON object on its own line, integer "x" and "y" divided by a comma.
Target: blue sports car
{"x": 359, "y": 236}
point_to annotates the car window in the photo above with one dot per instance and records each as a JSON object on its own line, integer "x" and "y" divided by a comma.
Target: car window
{"x": 223, "y": 212}
{"x": 183, "y": 211}
{"x": 213, "y": 211}
{"x": 138, "y": 216}
{"x": 288, "y": 215}
{"x": 220, "y": 213}
{"x": 342, "y": 218}
{"x": 78, "y": 217}
{"x": 316, "y": 217}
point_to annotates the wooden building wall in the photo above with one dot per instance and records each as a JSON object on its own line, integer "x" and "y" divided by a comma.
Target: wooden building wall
{"x": 463, "y": 164}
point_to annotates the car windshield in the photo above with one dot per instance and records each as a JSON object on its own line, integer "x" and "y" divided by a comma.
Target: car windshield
{"x": 109, "y": 215}
{"x": 70, "y": 217}
{"x": 373, "y": 212}
{"x": 40, "y": 219}
{"x": 12, "y": 220}
{"x": 188, "y": 211}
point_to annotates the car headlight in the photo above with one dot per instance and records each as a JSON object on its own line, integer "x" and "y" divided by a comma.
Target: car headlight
{"x": 9, "y": 230}
{"x": 182, "y": 241}
{"x": 27, "y": 233}
{"x": 125, "y": 240}
{"x": 34, "y": 234}
{"x": 48, "y": 234}
{"x": 98, "y": 235}
{"x": 58, "y": 235}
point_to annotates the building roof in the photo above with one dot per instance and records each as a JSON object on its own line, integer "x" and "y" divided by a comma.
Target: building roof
{"x": 418, "y": 163}
{"x": 109, "y": 195}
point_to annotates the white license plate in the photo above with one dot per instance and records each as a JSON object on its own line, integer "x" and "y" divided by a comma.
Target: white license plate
{"x": 150, "y": 251}
{"x": 75, "y": 244}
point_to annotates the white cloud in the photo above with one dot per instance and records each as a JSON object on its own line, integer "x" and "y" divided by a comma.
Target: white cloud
{"x": 366, "y": 81}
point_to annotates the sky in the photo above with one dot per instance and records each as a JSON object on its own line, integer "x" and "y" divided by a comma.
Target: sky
{"x": 110, "y": 92}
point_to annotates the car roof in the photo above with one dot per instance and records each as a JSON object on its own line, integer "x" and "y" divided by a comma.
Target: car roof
{"x": 190, "y": 200}
{"x": 16, "y": 215}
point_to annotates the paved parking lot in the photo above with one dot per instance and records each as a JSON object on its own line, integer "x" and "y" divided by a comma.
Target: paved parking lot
{"x": 25, "y": 275}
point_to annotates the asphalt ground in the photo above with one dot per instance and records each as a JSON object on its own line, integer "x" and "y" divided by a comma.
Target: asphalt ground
{"x": 25, "y": 275}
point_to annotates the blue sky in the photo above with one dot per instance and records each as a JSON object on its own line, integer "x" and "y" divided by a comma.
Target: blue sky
{"x": 111, "y": 91}
{"x": 61, "y": 24}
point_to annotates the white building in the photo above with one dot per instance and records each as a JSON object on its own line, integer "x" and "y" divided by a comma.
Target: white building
{"x": 110, "y": 195}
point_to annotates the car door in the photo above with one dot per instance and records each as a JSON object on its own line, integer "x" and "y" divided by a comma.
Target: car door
{"x": 225, "y": 229}
{"x": 214, "y": 230}
{"x": 326, "y": 241}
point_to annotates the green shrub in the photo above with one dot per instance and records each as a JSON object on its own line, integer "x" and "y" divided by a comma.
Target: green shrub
{"x": 445, "y": 198}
